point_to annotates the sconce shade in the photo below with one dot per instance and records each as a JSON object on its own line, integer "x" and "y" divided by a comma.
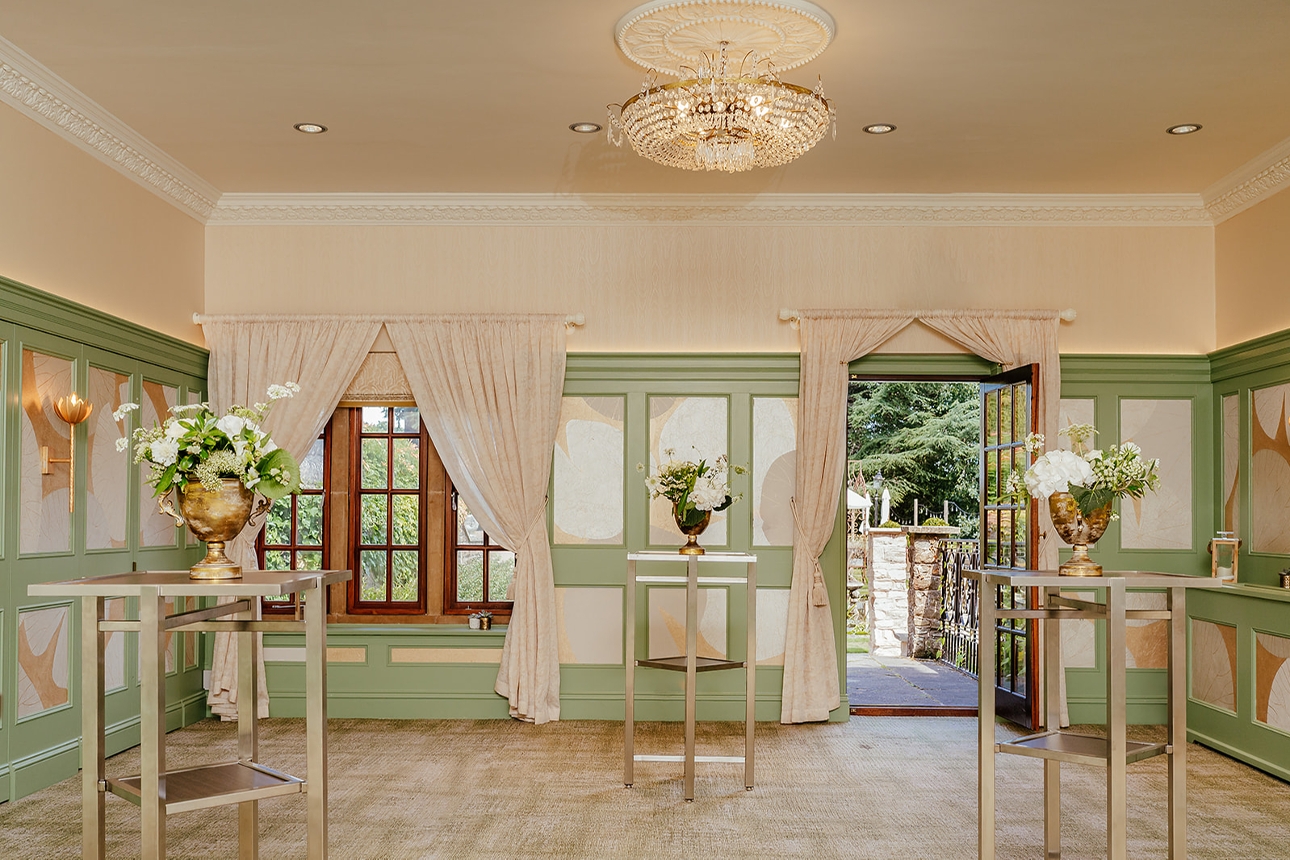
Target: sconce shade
{"x": 73, "y": 409}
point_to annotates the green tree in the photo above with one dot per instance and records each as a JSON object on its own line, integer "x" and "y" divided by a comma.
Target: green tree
{"x": 923, "y": 437}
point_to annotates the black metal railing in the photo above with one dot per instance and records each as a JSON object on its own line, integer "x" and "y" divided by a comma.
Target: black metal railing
{"x": 959, "y": 609}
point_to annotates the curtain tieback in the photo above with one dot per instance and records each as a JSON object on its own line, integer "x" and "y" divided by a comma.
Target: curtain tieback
{"x": 537, "y": 522}
{"x": 819, "y": 594}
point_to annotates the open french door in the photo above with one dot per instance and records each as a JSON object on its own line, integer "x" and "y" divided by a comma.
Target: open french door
{"x": 1009, "y": 412}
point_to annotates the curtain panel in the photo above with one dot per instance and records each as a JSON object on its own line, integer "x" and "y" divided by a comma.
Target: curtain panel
{"x": 489, "y": 389}
{"x": 248, "y": 354}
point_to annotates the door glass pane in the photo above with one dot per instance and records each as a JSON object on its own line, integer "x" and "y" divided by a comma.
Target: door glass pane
{"x": 407, "y": 531}
{"x": 309, "y": 520}
{"x": 375, "y": 510}
{"x": 1022, "y": 406}
{"x": 373, "y": 574}
{"x": 376, "y": 419}
{"x": 375, "y": 463}
{"x": 45, "y": 518}
{"x": 1005, "y": 416}
{"x": 407, "y": 464}
{"x": 501, "y": 570}
{"x": 405, "y": 575}
{"x": 468, "y": 529}
{"x": 311, "y": 468}
{"x": 407, "y": 419}
{"x": 990, "y": 409}
{"x": 470, "y": 575}
{"x": 109, "y": 469}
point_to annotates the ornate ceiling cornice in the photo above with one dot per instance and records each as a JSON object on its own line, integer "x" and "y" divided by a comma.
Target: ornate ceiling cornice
{"x": 714, "y": 209}
{"x": 1255, "y": 181}
{"x": 40, "y": 94}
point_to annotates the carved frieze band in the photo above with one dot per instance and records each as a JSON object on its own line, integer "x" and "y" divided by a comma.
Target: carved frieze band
{"x": 1262, "y": 185}
{"x": 840, "y": 210}
{"x": 19, "y": 90}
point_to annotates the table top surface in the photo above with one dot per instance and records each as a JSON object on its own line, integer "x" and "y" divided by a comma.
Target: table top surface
{"x": 254, "y": 583}
{"x": 1132, "y": 579}
{"x": 673, "y": 555}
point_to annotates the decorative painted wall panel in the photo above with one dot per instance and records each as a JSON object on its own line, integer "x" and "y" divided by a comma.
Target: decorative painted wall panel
{"x": 693, "y": 428}
{"x": 1213, "y": 664}
{"x": 1163, "y": 519}
{"x": 1079, "y": 637}
{"x": 1231, "y": 463}
{"x": 155, "y": 528}
{"x": 1073, "y": 410}
{"x": 1272, "y": 680}
{"x": 1270, "y": 471}
{"x": 45, "y": 519}
{"x": 1146, "y": 641}
{"x": 114, "y": 649}
{"x": 587, "y": 496}
{"x": 774, "y": 469}
{"x": 667, "y": 622}
{"x": 109, "y": 469}
{"x": 42, "y": 659}
{"x": 589, "y": 623}
{"x": 772, "y": 625}
{"x": 170, "y": 642}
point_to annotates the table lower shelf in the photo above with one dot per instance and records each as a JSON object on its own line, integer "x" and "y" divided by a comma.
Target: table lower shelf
{"x": 701, "y": 664}
{"x": 701, "y": 759}
{"x": 1077, "y": 748}
{"x": 212, "y": 785}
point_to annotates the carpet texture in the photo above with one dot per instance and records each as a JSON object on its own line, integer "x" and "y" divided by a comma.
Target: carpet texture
{"x": 870, "y": 788}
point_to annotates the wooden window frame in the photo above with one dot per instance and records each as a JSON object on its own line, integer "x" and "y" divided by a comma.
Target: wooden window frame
{"x": 451, "y": 605}
{"x": 283, "y": 607}
{"x": 355, "y": 605}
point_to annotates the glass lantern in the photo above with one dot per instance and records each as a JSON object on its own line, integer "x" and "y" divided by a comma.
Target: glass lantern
{"x": 1224, "y": 550}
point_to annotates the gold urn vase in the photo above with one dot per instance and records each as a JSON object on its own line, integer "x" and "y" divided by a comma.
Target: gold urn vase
{"x": 691, "y": 522}
{"x": 1079, "y": 531}
{"x": 216, "y": 517}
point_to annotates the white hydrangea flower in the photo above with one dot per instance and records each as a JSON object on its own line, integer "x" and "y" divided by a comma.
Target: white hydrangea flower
{"x": 165, "y": 452}
{"x": 709, "y": 492}
{"x": 1055, "y": 472}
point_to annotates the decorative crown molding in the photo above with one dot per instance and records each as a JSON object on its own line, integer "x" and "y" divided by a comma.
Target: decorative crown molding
{"x": 34, "y": 90}
{"x": 1251, "y": 183}
{"x": 712, "y": 209}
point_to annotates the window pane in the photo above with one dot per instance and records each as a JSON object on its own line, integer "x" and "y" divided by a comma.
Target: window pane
{"x": 407, "y": 419}
{"x": 309, "y": 520}
{"x": 311, "y": 468}
{"x": 376, "y": 419}
{"x": 374, "y": 511}
{"x": 1023, "y": 413}
{"x": 277, "y": 559}
{"x": 470, "y": 575}
{"x": 405, "y": 575}
{"x": 468, "y": 529}
{"x": 990, "y": 406}
{"x": 501, "y": 569}
{"x": 407, "y": 531}
{"x": 407, "y": 463}
{"x": 277, "y": 526}
{"x": 309, "y": 559}
{"x": 373, "y": 573}
{"x": 375, "y": 456}
{"x": 1005, "y": 416}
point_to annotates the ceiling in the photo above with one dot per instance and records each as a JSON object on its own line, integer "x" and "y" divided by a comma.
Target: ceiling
{"x": 1007, "y": 96}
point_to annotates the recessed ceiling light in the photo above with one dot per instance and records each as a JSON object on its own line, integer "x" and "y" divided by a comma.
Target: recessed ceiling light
{"x": 1185, "y": 128}
{"x": 310, "y": 127}
{"x": 880, "y": 128}
{"x": 585, "y": 127}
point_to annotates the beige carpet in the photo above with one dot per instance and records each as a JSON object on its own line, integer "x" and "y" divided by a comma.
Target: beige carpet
{"x": 871, "y": 788}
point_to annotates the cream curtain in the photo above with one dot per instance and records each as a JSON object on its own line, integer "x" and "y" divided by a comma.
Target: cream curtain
{"x": 829, "y": 342}
{"x": 489, "y": 389}
{"x": 248, "y": 354}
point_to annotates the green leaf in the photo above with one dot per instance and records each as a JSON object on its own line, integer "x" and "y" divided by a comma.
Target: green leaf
{"x": 287, "y": 481}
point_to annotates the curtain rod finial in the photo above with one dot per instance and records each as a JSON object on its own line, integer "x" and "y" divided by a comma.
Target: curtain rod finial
{"x": 197, "y": 318}
{"x": 1068, "y": 315}
{"x": 574, "y": 320}
{"x": 790, "y": 316}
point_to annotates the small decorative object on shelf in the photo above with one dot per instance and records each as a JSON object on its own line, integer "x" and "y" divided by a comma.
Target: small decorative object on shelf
{"x": 1285, "y": 578}
{"x": 695, "y": 491}
{"x": 1225, "y": 553}
{"x": 215, "y": 465}
{"x": 1080, "y": 486}
{"x": 482, "y": 620}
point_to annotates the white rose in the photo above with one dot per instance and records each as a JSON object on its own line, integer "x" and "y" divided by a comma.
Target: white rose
{"x": 165, "y": 452}
{"x": 174, "y": 429}
{"x": 231, "y": 425}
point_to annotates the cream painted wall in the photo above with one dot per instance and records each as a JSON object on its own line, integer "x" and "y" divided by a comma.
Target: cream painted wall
{"x": 1252, "y": 271}
{"x": 672, "y": 288}
{"x": 72, "y": 226}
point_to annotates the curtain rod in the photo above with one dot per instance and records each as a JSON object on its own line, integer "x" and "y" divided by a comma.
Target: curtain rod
{"x": 570, "y": 320}
{"x": 794, "y": 316}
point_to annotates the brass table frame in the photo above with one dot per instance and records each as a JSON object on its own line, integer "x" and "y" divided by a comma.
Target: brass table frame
{"x": 159, "y": 792}
{"x": 689, "y": 662}
{"x": 1114, "y": 752}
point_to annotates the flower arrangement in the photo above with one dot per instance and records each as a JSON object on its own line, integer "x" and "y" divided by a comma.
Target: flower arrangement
{"x": 1093, "y": 477}
{"x": 194, "y": 445}
{"x": 693, "y": 488}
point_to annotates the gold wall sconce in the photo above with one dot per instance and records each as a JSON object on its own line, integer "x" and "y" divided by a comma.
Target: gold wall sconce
{"x": 73, "y": 410}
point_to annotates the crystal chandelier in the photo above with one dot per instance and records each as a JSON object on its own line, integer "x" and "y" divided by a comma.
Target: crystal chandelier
{"x": 729, "y": 111}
